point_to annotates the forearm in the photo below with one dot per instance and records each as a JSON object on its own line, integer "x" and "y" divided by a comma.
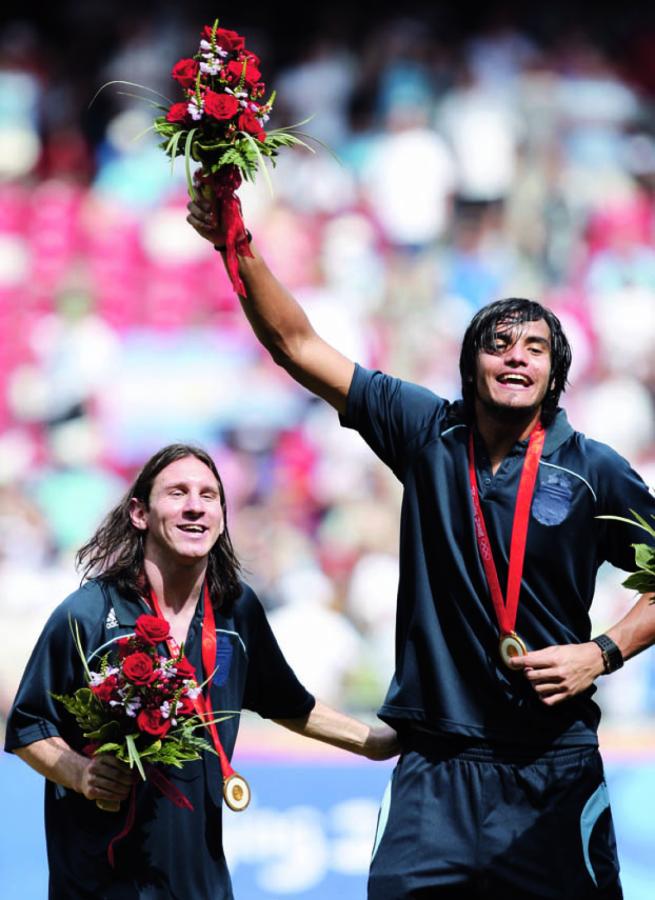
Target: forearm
{"x": 276, "y": 317}
{"x": 100, "y": 777}
{"x": 636, "y": 630}
{"x": 282, "y": 327}
{"x": 336, "y": 728}
{"x": 55, "y": 760}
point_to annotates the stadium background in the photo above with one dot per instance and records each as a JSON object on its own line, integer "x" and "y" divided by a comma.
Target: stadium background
{"x": 510, "y": 152}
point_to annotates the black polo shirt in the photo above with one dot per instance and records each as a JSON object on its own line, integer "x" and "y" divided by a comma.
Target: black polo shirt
{"x": 449, "y": 677}
{"x": 170, "y": 853}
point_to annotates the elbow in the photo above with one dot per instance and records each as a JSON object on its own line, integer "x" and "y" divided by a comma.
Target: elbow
{"x": 286, "y": 351}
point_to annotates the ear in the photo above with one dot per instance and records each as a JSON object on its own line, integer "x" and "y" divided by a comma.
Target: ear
{"x": 138, "y": 514}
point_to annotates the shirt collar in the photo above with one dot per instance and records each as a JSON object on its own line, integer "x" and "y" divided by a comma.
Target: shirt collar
{"x": 127, "y": 609}
{"x": 557, "y": 433}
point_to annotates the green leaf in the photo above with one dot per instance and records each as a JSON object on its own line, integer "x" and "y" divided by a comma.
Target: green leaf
{"x": 105, "y": 732}
{"x": 75, "y": 629}
{"x": 639, "y": 523}
{"x": 645, "y": 557}
{"x": 187, "y": 163}
{"x": 111, "y": 746}
{"x": 260, "y": 160}
{"x": 644, "y": 582}
{"x": 152, "y": 750}
{"x": 129, "y": 84}
{"x": 172, "y": 147}
{"x": 145, "y": 99}
{"x": 135, "y": 759}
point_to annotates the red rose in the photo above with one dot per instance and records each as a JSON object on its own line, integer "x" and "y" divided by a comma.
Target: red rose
{"x": 248, "y": 122}
{"x": 234, "y": 69}
{"x": 152, "y": 722}
{"x": 228, "y": 40}
{"x": 138, "y": 668}
{"x": 220, "y": 106}
{"x": 177, "y": 113}
{"x": 123, "y": 645}
{"x": 152, "y": 629}
{"x": 185, "y": 71}
{"x": 184, "y": 668}
{"x": 105, "y": 689}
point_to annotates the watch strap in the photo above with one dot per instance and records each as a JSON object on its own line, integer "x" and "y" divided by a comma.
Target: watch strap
{"x": 612, "y": 656}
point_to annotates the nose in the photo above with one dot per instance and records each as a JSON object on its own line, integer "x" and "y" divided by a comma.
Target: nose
{"x": 516, "y": 355}
{"x": 193, "y": 508}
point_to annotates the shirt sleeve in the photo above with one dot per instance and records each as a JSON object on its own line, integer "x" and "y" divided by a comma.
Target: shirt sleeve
{"x": 272, "y": 689}
{"x": 621, "y": 492}
{"x": 51, "y": 669}
{"x": 391, "y": 415}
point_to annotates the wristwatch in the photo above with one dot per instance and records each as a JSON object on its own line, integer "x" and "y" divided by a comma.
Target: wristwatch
{"x": 612, "y": 656}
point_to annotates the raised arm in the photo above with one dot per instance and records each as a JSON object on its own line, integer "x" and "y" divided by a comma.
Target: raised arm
{"x": 279, "y": 322}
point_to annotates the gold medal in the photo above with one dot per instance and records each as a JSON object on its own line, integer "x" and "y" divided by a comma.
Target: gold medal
{"x": 236, "y": 792}
{"x": 511, "y": 646}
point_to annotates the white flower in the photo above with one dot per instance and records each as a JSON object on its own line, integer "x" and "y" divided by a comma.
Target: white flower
{"x": 96, "y": 679}
{"x": 192, "y": 693}
{"x": 205, "y": 45}
{"x": 211, "y": 67}
{"x": 194, "y": 110}
{"x": 132, "y": 706}
{"x": 165, "y": 709}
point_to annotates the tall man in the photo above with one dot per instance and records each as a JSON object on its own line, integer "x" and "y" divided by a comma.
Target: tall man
{"x": 500, "y": 787}
{"x": 166, "y": 549}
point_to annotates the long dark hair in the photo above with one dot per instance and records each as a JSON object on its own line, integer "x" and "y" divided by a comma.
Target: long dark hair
{"x": 115, "y": 552}
{"x": 481, "y": 335}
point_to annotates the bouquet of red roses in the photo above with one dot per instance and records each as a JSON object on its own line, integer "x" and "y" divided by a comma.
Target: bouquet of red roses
{"x": 220, "y": 123}
{"x": 141, "y": 706}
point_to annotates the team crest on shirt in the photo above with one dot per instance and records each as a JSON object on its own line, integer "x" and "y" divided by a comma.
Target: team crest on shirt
{"x": 552, "y": 499}
{"x": 224, "y": 650}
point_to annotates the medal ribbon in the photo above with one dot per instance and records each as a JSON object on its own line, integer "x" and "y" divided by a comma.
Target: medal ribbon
{"x": 202, "y": 702}
{"x": 506, "y": 609}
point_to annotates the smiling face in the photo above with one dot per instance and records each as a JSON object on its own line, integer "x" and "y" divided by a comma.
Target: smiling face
{"x": 514, "y": 377}
{"x": 184, "y": 518}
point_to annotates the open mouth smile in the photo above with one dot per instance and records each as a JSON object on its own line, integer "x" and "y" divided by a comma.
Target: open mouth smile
{"x": 193, "y": 529}
{"x": 514, "y": 380}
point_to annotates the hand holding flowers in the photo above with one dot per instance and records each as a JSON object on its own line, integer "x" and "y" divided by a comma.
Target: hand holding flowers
{"x": 140, "y": 707}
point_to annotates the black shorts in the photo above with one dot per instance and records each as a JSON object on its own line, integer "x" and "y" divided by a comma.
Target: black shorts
{"x": 481, "y": 823}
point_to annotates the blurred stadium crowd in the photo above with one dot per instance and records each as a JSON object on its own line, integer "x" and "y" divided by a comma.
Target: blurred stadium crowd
{"x": 489, "y": 164}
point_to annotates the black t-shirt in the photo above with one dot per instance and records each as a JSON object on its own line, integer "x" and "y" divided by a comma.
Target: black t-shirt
{"x": 170, "y": 853}
{"x": 449, "y": 677}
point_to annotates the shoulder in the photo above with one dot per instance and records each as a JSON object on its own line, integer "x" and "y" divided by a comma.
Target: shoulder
{"x": 87, "y": 606}
{"x": 598, "y": 456}
{"x": 247, "y": 606}
{"x": 375, "y": 393}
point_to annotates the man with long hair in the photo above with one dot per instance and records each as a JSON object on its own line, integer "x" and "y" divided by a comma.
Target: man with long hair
{"x": 165, "y": 549}
{"x": 499, "y": 790}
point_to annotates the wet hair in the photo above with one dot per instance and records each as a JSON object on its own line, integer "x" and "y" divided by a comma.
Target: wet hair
{"x": 510, "y": 314}
{"x": 115, "y": 553}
